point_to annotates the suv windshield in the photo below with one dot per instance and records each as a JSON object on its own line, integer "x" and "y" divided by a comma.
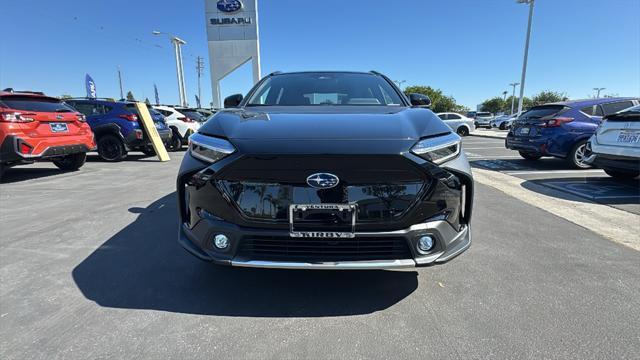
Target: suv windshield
{"x": 304, "y": 89}
{"x": 33, "y": 103}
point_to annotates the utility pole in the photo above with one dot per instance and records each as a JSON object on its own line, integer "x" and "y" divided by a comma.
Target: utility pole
{"x": 598, "y": 91}
{"x": 120, "y": 81}
{"x": 526, "y": 53}
{"x": 513, "y": 95}
{"x": 199, "y": 71}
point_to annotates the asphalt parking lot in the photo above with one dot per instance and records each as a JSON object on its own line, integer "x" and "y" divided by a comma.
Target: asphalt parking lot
{"x": 90, "y": 268}
{"x": 590, "y": 184}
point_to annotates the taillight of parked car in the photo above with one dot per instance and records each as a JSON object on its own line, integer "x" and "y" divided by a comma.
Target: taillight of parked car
{"x": 130, "y": 117}
{"x": 81, "y": 117}
{"x": 15, "y": 117}
{"x": 557, "y": 121}
{"x": 185, "y": 119}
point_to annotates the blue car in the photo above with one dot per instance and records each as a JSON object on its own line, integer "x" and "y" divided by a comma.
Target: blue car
{"x": 117, "y": 127}
{"x": 562, "y": 129}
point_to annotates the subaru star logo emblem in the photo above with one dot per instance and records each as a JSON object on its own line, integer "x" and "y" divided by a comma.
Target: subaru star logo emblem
{"x": 322, "y": 180}
{"x": 229, "y": 6}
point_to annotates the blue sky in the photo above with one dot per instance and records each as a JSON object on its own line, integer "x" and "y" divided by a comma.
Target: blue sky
{"x": 470, "y": 49}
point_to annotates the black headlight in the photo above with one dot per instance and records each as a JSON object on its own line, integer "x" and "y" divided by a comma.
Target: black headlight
{"x": 439, "y": 149}
{"x": 209, "y": 149}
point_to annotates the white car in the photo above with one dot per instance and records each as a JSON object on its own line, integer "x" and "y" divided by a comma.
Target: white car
{"x": 181, "y": 125}
{"x": 461, "y": 124}
{"x": 615, "y": 146}
{"x": 503, "y": 122}
{"x": 483, "y": 119}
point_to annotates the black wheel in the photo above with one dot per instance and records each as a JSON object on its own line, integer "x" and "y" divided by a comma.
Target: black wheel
{"x": 111, "y": 148}
{"x": 148, "y": 150}
{"x": 503, "y": 126}
{"x": 462, "y": 131}
{"x": 622, "y": 175}
{"x": 578, "y": 155}
{"x": 476, "y": 125}
{"x": 529, "y": 156}
{"x": 2, "y": 169}
{"x": 70, "y": 162}
{"x": 175, "y": 144}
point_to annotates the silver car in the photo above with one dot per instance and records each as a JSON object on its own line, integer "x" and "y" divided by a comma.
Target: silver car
{"x": 461, "y": 124}
{"x": 483, "y": 119}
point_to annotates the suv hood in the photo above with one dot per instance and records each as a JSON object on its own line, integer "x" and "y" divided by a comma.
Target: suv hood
{"x": 324, "y": 123}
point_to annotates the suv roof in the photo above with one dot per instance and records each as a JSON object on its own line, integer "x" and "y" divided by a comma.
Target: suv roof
{"x": 587, "y": 102}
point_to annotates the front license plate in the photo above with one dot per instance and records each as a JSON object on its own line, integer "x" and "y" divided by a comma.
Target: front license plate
{"x": 524, "y": 131}
{"x": 58, "y": 127}
{"x": 322, "y": 220}
{"x": 629, "y": 137}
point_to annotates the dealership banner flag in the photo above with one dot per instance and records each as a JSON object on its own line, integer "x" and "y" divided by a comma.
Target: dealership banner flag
{"x": 155, "y": 91}
{"x": 91, "y": 87}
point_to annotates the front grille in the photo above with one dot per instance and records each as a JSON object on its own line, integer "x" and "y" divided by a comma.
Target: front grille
{"x": 383, "y": 187}
{"x": 323, "y": 250}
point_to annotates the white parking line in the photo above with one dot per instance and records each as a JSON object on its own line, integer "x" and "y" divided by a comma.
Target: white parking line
{"x": 482, "y": 148}
{"x": 536, "y": 172}
{"x": 490, "y": 157}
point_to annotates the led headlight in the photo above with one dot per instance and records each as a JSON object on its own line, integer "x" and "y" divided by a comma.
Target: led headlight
{"x": 439, "y": 149}
{"x": 209, "y": 149}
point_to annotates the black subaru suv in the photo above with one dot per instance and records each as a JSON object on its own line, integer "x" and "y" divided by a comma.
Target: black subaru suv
{"x": 325, "y": 170}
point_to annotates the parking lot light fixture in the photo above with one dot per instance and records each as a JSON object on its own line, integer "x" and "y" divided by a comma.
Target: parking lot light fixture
{"x": 526, "y": 52}
{"x": 598, "y": 89}
{"x": 177, "y": 47}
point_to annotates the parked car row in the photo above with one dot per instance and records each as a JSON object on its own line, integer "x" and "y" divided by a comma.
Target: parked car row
{"x": 461, "y": 124}
{"x": 563, "y": 129}
{"x": 34, "y": 126}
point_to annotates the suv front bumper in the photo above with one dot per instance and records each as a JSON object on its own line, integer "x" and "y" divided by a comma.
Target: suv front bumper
{"x": 449, "y": 243}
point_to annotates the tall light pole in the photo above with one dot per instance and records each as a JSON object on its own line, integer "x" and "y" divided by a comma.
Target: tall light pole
{"x": 526, "y": 53}
{"x": 598, "y": 92}
{"x": 177, "y": 47}
{"x": 399, "y": 83}
{"x": 513, "y": 95}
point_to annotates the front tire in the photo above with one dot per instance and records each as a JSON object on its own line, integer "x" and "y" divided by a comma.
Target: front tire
{"x": 462, "y": 131}
{"x": 502, "y": 126}
{"x": 148, "y": 150}
{"x": 111, "y": 148}
{"x": 71, "y": 162}
{"x": 529, "y": 156}
{"x": 622, "y": 175}
{"x": 577, "y": 155}
{"x": 175, "y": 144}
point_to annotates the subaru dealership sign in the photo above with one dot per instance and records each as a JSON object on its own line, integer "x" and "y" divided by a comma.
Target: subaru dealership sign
{"x": 232, "y": 34}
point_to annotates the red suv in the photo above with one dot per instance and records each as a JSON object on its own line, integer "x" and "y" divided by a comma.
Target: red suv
{"x": 37, "y": 127}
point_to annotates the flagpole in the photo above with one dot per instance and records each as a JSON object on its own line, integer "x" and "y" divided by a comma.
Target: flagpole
{"x": 120, "y": 81}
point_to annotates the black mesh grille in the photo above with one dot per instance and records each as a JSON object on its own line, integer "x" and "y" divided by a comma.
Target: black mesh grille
{"x": 321, "y": 250}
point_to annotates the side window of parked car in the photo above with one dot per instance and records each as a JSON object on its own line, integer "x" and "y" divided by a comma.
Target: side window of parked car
{"x": 611, "y": 108}
{"x": 589, "y": 110}
{"x": 87, "y": 109}
{"x": 454, "y": 117}
{"x": 443, "y": 116}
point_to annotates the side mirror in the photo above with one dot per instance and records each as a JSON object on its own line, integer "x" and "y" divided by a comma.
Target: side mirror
{"x": 232, "y": 101}
{"x": 419, "y": 100}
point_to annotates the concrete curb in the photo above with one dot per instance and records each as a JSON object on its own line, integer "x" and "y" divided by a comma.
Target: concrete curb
{"x": 611, "y": 223}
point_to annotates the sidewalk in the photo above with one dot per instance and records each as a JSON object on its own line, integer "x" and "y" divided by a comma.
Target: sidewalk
{"x": 490, "y": 133}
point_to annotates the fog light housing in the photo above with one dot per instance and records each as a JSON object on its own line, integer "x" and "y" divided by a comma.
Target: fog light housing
{"x": 425, "y": 244}
{"x": 221, "y": 242}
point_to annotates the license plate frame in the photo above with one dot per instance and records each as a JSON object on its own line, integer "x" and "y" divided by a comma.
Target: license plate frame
{"x": 302, "y": 224}
{"x": 58, "y": 127}
{"x": 632, "y": 136}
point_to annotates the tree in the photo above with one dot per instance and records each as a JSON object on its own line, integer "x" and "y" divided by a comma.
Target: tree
{"x": 548, "y": 96}
{"x": 146, "y": 101}
{"x": 494, "y": 105}
{"x": 439, "y": 101}
{"x": 130, "y": 96}
{"x": 65, "y": 96}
